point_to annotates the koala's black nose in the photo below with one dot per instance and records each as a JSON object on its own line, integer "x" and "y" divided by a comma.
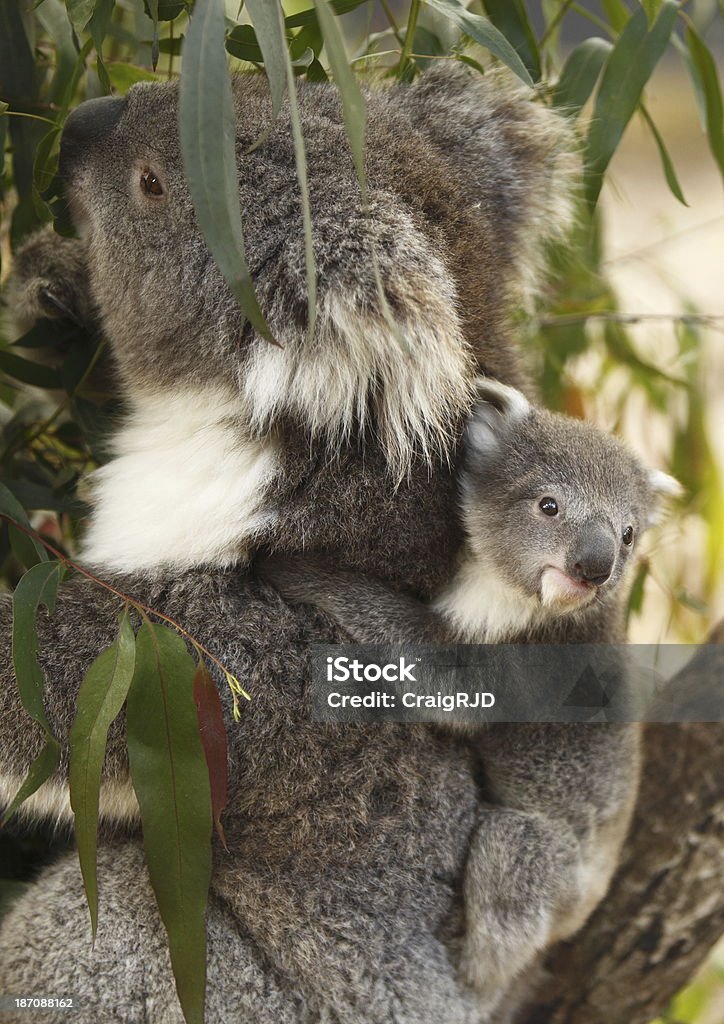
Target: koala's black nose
{"x": 88, "y": 125}
{"x": 594, "y": 554}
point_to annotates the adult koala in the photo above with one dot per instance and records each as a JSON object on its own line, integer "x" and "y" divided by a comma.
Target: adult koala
{"x": 340, "y": 898}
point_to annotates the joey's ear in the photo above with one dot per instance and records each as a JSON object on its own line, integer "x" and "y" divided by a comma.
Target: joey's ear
{"x": 498, "y": 408}
{"x": 664, "y": 488}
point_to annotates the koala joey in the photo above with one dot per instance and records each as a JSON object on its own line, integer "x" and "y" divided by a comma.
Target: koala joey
{"x": 552, "y": 510}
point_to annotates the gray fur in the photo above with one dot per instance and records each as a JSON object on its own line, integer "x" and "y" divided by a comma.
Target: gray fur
{"x": 559, "y": 796}
{"x": 340, "y": 901}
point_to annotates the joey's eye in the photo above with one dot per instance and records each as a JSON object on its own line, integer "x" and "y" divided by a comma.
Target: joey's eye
{"x": 150, "y": 184}
{"x": 628, "y": 536}
{"x": 549, "y": 506}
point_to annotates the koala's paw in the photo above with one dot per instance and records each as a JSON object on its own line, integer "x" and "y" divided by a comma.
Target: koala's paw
{"x": 49, "y": 279}
{"x": 495, "y": 952}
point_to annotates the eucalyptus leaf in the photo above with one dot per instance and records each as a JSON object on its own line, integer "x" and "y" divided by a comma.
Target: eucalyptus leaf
{"x": 580, "y": 74}
{"x": 309, "y": 17}
{"x": 483, "y": 32}
{"x": 511, "y": 18}
{"x": 208, "y": 130}
{"x": 242, "y": 43}
{"x": 617, "y": 12}
{"x": 80, "y": 13}
{"x": 354, "y": 106}
{"x": 23, "y": 547}
{"x": 103, "y": 692}
{"x": 39, "y": 586}
{"x": 268, "y": 22}
{"x": 705, "y": 71}
{"x": 627, "y": 70}
{"x": 13, "y": 510}
{"x": 666, "y": 161}
{"x": 27, "y": 372}
{"x": 171, "y": 780}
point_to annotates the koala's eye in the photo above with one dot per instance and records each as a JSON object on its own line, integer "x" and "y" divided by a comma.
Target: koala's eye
{"x": 628, "y": 536}
{"x": 549, "y": 506}
{"x": 150, "y": 185}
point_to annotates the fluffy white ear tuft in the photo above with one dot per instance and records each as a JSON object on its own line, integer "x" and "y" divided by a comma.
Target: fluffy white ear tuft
{"x": 663, "y": 485}
{"x": 663, "y": 488}
{"x": 497, "y": 408}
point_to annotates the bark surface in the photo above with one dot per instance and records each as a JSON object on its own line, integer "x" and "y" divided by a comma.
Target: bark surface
{"x": 665, "y": 909}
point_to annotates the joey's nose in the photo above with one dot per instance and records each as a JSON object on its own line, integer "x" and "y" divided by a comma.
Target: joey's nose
{"x": 594, "y": 555}
{"x": 88, "y": 125}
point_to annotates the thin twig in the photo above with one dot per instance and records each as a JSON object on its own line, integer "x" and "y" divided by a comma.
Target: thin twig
{"x": 139, "y": 605}
{"x": 409, "y": 35}
{"x": 555, "y": 22}
{"x": 393, "y": 23}
{"x": 707, "y": 319}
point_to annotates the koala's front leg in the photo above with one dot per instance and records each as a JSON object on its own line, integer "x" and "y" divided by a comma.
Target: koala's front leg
{"x": 543, "y": 858}
{"x": 49, "y": 278}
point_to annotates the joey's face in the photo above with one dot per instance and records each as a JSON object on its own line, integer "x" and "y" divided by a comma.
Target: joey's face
{"x": 557, "y": 506}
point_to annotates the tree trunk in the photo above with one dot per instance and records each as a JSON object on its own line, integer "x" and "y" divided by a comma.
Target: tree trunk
{"x": 665, "y": 909}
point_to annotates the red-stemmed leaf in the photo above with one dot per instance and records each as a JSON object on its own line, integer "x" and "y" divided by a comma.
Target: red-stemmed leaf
{"x": 213, "y": 739}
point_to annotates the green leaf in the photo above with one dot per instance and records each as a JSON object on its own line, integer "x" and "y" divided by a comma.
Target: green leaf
{"x": 617, "y": 12}
{"x": 268, "y": 22}
{"x": 652, "y": 8}
{"x": 511, "y": 17}
{"x": 309, "y": 17}
{"x": 80, "y": 13}
{"x": 483, "y": 32}
{"x": 671, "y": 179}
{"x": 123, "y": 76}
{"x": 166, "y": 10}
{"x": 580, "y": 74}
{"x": 23, "y": 547}
{"x": 208, "y": 129}
{"x": 98, "y": 27}
{"x": 354, "y": 106}
{"x": 705, "y": 72}
{"x": 627, "y": 70}
{"x": 39, "y": 586}
{"x": 268, "y": 18}
{"x": 243, "y": 44}
{"x": 28, "y": 372}
{"x": 13, "y": 510}
{"x": 171, "y": 781}
{"x": 102, "y": 694}
{"x": 44, "y": 765}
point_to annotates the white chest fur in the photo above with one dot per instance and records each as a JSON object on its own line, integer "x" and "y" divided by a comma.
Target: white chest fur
{"x": 481, "y": 607}
{"x": 186, "y": 487}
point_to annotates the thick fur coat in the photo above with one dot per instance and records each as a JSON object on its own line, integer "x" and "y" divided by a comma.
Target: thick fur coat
{"x": 340, "y": 899}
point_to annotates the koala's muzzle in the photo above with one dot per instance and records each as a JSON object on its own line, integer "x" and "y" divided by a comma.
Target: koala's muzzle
{"x": 593, "y": 555}
{"x": 87, "y": 126}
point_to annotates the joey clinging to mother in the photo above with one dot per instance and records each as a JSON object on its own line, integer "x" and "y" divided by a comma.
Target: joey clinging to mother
{"x": 553, "y": 511}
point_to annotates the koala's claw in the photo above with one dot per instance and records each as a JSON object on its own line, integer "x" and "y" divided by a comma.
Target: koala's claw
{"x": 52, "y": 305}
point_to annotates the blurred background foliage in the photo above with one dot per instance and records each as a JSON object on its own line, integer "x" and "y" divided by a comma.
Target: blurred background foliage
{"x": 642, "y": 360}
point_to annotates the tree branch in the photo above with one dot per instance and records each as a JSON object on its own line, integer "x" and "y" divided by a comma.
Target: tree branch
{"x": 665, "y": 910}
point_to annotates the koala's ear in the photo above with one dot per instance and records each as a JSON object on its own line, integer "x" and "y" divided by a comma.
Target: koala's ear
{"x": 664, "y": 488}
{"x": 498, "y": 408}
